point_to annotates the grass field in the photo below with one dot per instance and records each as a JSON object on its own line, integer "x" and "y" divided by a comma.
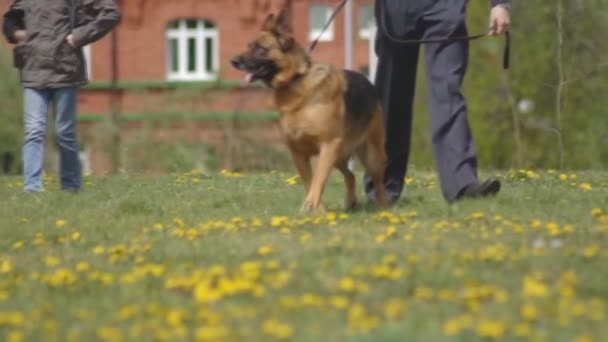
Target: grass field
{"x": 229, "y": 258}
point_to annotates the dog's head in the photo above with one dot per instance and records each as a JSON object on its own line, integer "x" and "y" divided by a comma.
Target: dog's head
{"x": 274, "y": 57}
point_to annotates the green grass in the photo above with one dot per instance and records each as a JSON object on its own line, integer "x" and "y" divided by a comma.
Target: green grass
{"x": 195, "y": 257}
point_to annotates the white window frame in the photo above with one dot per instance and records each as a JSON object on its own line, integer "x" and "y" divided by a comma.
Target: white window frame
{"x": 366, "y": 32}
{"x": 373, "y": 58}
{"x": 86, "y": 52}
{"x": 314, "y": 32}
{"x": 200, "y": 34}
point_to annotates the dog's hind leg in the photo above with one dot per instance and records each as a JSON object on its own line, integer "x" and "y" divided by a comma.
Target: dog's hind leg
{"x": 327, "y": 159}
{"x": 350, "y": 201}
{"x": 373, "y": 157}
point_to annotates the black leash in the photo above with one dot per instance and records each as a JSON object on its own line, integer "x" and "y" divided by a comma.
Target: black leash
{"x": 329, "y": 21}
{"x": 507, "y": 50}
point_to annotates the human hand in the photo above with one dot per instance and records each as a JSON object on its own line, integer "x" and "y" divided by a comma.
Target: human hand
{"x": 70, "y": 40}
{"x": 499, "y": 20}
{"x": 20, "y": 36}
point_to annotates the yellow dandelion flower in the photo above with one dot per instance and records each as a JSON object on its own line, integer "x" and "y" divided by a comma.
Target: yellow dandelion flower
{"x": 6, "y": 266}
{"x": 293, "y": 180}
{"x": 456, "y": 325}
{"x": 412, "y": 258}
{"x": 585, "y": 187}
{"x": 14, "y": 319}
{"x": 347, "y": 284}
{"x": 204, "y": 294}
{"x": 127, "y": 312}
{"x": 532, "y": 174}
{"x": 82, "y": 266}
{"x": 277, "y": 329}
{"x": 98, "y": 250}
{"x": 447, "y": 295}
{"x": 380, "y": 238}
{"x": 339, "y": 302}
{"x": 423, "y": 293}
{"x": 394, "y": 309}
{"x": 265, "y": 250}
{"x": 583, "y": 338}
{"x": 109, "y": 334}
{"x": 522, "y": 330}
{"x": 529, "y": 312}
{"x": 501, "y": 296}
{"x": 304, "y": 238}
{"x": 175, "y": 318}
{"x": 75, "y": 236}
{"x": 591, "y": 251}
{"x": 458, "y": 272}
{"x": 211, "y": 333}
{"x": 534, "y": 288}
{"x": 595, "y": 310}
{"x": 18, "y": 245}
{"x": 491, "y": 328}
{"x": 60, "y": 223}
{"x": 50, "y": 260}
{"x": 15, "y": 336}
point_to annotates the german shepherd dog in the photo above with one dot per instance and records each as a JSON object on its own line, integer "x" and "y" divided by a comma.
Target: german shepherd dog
{"x": 332, "y": 113}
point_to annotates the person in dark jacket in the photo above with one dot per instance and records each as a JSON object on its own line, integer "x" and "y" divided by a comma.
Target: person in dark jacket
{"x": 446, "y": 64}
{"x": 48, "y": 36}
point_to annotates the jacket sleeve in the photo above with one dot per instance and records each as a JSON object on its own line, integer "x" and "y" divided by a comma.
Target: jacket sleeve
{"x": 13, "y": 20}
{"x": 106, "y": 15}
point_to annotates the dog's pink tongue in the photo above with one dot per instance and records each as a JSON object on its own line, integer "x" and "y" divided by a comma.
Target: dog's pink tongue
{"x": 247, "y": 79}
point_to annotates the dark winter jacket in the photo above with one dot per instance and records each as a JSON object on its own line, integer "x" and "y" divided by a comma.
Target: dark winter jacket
{"x": 45, "y": 59}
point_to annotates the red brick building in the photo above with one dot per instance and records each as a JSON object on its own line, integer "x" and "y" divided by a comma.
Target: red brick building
{"x": 174, "y": 74}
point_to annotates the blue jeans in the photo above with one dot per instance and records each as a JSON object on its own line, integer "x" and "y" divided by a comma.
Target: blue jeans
{"x": 36, "y": 103}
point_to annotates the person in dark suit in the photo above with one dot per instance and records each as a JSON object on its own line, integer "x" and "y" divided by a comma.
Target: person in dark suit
{"x": 446, "y": 65}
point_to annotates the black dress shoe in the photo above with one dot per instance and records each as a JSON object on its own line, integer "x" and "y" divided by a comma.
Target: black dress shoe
{"x": 490, "y": 187}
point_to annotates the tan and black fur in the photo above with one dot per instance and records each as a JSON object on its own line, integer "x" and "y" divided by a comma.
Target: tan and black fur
{"x": 332, "y": 113}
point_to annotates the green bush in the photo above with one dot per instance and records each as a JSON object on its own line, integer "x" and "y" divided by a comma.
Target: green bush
{"x": 493, "y": 95}
{"x": 11, "y": 122}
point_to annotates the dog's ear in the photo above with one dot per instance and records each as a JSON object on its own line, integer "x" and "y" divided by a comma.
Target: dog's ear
{"x": 270, "y": 23}
{"x": 283, "y": 30}
{"x": 286, "y": 41}
{"x": 284, "y": 21}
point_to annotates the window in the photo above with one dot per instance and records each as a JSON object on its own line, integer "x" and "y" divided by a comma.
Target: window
{"x": 192, "y": 50}
{"x": 366, "y": 21}
{"x": 318, "y": 17}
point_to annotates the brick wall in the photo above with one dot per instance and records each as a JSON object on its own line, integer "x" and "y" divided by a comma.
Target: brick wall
{"x": 142, "y": 56}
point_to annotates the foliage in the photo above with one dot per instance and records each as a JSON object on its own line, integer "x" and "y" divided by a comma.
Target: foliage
{"x": 494, "y": 96}
{"x": 11, "y": 121}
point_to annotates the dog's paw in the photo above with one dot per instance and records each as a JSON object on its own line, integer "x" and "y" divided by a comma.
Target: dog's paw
{"x": 312, "y": 207}
{"x": 350, "y": 204}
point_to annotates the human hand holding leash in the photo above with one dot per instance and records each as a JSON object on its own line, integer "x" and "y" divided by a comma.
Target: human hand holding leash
{"x": 499, "y": 20}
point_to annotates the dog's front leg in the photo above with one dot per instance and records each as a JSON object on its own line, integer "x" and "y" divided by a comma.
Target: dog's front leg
{"x": 328, "y": 156}
{"x": 302, "y": 163}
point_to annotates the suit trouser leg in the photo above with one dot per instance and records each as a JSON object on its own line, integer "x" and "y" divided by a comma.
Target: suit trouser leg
{"x": 395, "y": 83}
{"x": 453, "y": 145}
